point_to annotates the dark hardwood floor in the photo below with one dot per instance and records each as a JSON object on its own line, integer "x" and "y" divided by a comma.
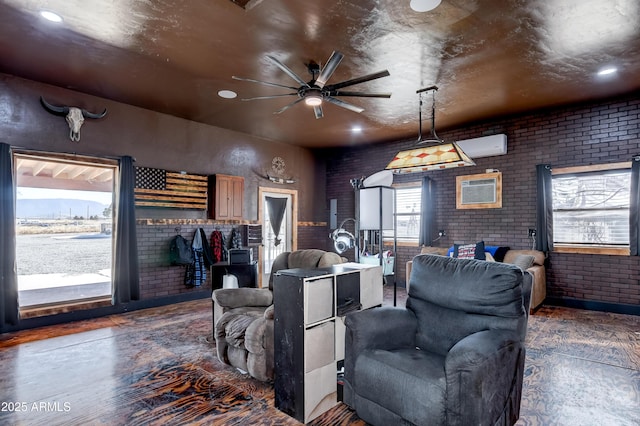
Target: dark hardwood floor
{"x": 158, "y": 366}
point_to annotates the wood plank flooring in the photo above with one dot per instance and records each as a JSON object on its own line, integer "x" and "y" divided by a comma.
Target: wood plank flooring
{"x": 158, "y": 366}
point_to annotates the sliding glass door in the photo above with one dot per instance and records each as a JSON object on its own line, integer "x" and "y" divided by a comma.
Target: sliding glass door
{"x": 64, "y": 212}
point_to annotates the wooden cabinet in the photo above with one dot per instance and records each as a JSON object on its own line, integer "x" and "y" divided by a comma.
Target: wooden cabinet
{"x": 226, "y": 197}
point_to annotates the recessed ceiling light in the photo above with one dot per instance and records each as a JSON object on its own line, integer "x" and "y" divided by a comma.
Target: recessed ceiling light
{"x": 424, "y": 5}
{"x": 50, "y": 16}
{"x": 356, "y": 129}
{"x": 607, "y": 71}
{"x": 227, "y": 94}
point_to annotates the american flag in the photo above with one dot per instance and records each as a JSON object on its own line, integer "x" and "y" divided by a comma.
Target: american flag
{"x": 147, "y": 178}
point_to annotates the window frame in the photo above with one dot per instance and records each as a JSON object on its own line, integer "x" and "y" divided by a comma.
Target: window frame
{"x": 409, "y": 242}
{"x": 606, "y": 249}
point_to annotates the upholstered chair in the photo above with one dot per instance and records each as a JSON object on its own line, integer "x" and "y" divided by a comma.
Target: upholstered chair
{"x": 454, "y": 356}
{"x": 243, "y": 317}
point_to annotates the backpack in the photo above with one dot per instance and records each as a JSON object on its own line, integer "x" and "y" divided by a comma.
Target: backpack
{"x": 180, "y": 252}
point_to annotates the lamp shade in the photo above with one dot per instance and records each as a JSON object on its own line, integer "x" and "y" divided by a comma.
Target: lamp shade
{"x": 376, "y": 205}
{"x": 434, "y": 157}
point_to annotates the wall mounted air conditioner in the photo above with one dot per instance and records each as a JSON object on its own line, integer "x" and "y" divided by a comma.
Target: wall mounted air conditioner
{"x": 486, "y": 146}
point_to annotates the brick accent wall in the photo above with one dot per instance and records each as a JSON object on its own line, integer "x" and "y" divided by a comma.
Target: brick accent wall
{"x": 157, "y": 277}
{"x": 590, "y": 133}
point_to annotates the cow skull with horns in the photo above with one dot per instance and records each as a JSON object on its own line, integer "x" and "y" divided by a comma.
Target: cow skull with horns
{"x": 75, "y": 116}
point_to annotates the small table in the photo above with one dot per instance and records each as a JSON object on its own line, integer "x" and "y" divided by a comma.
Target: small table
{"x": 246, "y": 273}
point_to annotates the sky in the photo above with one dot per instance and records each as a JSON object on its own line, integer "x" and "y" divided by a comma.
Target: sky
{"x": 30, "y": 193}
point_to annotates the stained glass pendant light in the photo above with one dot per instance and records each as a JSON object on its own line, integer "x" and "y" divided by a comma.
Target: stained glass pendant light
{"x": 431, "y": 153}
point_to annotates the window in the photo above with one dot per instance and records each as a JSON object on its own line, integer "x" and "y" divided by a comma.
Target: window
{"x": 408, "y": 202}
{"x": 591, "y": 208}
{"x": 64, "y": 215}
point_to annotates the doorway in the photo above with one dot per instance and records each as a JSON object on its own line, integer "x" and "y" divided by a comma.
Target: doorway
{"x": 276, "y": 241}
{"x": 64, "y": 222}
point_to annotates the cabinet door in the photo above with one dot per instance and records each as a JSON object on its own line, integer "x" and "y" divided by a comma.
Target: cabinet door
{"x": 227, "y": 199}
{"x": 237, "y": 197}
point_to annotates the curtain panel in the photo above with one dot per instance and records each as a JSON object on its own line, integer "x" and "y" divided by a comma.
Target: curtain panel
{"x": 427, "y": 212}
{"x": 126, "y": 278}
{"x": 8, "y": 272}
{"x": 544, "y": 208}
{"x": 634, "y": 208}
{"x": 276, "y": 207}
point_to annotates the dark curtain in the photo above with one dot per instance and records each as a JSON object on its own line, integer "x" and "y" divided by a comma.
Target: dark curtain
{"x": 544, "y": 208}
{"x": 126, "y": 279}
{"x": 427, "y": 212}
{"x": 276, "y": 208}
{"x": 634, "y": 208}
{"x": 8, "y": 274}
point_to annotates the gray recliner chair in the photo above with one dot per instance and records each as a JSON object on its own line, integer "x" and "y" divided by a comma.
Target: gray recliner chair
{"x": 454, "y": 356}
{"x": 243, "y": 317}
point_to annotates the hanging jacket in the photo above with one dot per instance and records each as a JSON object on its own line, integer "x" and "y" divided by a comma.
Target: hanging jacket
{"x": 199, "y": 268}
{"x": 217, "y": 246}
{"x": 206, "y": 249}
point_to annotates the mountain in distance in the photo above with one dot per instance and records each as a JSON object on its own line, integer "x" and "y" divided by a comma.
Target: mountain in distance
{"x": 58, "y": 208}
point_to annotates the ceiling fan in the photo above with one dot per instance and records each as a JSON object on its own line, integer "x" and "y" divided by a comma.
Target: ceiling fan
{"x": 316, "y": 91}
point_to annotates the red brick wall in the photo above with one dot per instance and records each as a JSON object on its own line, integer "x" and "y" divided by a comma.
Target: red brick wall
{"x": 595, "y": 133}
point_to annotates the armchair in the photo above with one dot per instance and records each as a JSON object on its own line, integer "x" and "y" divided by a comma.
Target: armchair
{"x": 455, "y": 354}
{"x": 243, "y": 317}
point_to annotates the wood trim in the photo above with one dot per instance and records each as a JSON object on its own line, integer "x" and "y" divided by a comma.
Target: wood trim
{"x": 64, "y": 307}
{"x": 294, "y": 221}
{"x": 498, "y": 195}
{"x": 569, "y": 248}
{"x": 591, "y": 168}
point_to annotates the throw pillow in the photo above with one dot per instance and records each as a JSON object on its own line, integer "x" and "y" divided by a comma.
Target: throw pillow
{"x": 469, "y": 251}
{"x": 524, "y": 261}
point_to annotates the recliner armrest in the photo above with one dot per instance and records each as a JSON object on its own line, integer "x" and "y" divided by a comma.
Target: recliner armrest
{"x": 245, "y": 296}
{"x": 470, "y": 368}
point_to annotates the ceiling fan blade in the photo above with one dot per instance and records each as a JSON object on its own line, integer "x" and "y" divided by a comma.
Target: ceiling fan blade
{"x": 329, "y": 68}
{"x": 266, "y": 83}
{"x": 343, "y": 104}
{"x": 358, "y": 80}
{"x": 318, "y": 111}
{"x": 286, "y": 107}
{"x": 360, "y": 95}
{"x": 269, "y": 97}
{"x": 286, "y": 69}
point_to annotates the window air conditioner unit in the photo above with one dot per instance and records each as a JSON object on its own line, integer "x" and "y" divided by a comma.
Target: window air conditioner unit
{"x": 486, "y": 146}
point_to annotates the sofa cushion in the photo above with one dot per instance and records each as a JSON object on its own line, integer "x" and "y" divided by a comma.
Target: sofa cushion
{"x": 524, "y": 261}
{"x": 469, "y": 251}
{"x": 511, "y": 255}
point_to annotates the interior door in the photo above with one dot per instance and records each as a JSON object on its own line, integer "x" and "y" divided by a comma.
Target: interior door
{"x": 272, "y": 246}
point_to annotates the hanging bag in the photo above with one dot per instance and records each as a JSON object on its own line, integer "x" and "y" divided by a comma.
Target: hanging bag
{"x": 180, "y": 252}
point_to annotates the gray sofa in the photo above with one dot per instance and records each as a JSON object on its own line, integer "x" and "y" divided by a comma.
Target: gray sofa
{"x": 243, "y": 317}
{"x": 454, "y": 356}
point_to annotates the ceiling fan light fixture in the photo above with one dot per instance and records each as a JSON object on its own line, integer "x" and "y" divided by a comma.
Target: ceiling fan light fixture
{"x": 313, "y": 99}
{"x": 50, "y": 16}
{"x": 424, "y": 5}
